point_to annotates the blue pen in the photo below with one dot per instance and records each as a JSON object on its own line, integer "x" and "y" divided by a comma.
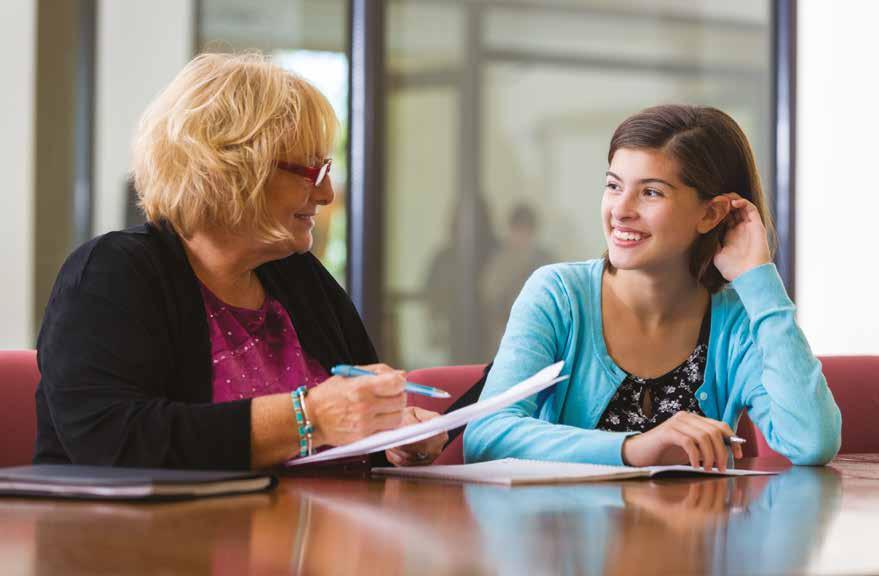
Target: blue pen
{"x": 348, "y": 371}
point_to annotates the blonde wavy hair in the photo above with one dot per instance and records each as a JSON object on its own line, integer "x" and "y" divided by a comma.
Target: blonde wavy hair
{"x": 206, "y": 146}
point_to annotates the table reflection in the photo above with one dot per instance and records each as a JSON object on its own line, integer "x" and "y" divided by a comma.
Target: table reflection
{"x": 750, "y": 525}
{"x": 392, "y": 526}
{"x": 337, "y": 525}
{"x": 208, "y": 536}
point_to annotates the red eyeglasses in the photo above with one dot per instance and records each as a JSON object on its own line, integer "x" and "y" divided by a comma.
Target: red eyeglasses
{"x": 314, "y": 173}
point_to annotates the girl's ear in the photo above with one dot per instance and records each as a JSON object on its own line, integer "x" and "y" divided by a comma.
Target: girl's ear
{"x": 716, "y": 211}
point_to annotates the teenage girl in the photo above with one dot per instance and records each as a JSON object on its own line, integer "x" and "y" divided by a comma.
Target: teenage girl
{"x": 680, "y": 327}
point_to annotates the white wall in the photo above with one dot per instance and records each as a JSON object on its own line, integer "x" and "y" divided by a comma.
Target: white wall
{"x": 140, "y": 47}
{"x": 837, "y": 260}
{"x": 17, "y": 95}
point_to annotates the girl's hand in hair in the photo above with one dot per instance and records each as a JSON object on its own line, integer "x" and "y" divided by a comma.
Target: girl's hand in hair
{"x": 745, "y": 244}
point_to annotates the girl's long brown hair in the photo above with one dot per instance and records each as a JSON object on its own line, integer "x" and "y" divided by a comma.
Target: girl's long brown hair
{"x": 714, "y": 158}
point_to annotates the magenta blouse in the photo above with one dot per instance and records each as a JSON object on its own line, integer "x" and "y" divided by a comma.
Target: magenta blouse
{"x": 256, "y": 352}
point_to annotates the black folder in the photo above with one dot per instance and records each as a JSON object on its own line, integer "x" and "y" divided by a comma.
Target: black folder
{"x": 111, "y": 483}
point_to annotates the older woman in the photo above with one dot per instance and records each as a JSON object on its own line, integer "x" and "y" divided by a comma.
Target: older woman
{"x": 205, "y": 337}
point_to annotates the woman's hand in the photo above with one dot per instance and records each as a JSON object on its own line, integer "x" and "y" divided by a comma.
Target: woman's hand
{"x": 418, "y": 453}
{"x": 685, "y": 437}
{"x": 343, "y": 410}
{"x": 745, "y": 245}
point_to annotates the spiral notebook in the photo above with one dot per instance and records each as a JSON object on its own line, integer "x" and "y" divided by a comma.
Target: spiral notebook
{"x": 512, "y": 471}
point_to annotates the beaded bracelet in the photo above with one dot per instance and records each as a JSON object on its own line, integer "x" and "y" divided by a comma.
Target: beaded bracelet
{"x": 302, "y": 422}
{"x": 309, "y": 429}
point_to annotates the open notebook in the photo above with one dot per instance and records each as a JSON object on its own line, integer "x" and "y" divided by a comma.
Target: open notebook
{"x": 512, "y": 471}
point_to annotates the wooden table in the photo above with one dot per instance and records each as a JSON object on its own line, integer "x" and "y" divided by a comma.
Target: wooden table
{"x": 805, "y": 520}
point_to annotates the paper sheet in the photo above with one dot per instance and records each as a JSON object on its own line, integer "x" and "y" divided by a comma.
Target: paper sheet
{"x": 512, "y": 471}
{"x": 421, "y": 430}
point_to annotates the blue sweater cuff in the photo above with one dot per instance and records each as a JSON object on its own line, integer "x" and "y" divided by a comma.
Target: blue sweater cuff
{"x": 610, "y": 451}
{"x": 761, "y": 289}
{"x": 597, "y": 447}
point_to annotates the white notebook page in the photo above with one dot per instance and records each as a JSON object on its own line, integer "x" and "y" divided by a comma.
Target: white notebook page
{"x": 511, "y": 471}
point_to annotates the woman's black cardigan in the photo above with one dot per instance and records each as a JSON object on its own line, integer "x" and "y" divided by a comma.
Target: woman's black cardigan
{"x": 125, "y": 355}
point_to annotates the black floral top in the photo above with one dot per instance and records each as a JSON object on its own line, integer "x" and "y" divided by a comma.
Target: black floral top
{"x": 667, "y": 394}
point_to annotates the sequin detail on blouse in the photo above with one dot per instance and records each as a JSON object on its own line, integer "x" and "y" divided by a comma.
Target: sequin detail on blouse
{"x": 255, "y": 352}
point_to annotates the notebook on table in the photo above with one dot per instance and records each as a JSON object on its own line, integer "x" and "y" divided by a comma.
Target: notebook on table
{"x": 110, "y": 483}
{"x": 512, "y": 471}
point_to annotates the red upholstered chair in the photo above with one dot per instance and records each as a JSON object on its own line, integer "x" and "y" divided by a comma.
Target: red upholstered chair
{"x": 854, "y": 381}
{"x": 18, "y": 422}
{"x": 756, "y": 444}
{"x": 455, "y": 380}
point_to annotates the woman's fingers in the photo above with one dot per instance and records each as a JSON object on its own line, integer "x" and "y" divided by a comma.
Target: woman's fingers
{"x": 418, "y": 453}
{"x": 379, "y": 368}
{"x": 387, "y": 404}
{"x": 741, "y": 210}
{"x": 397, "y": 458}
{"x": 687, "y": 444}
{"x": 423, "y": 415}
{"x": 701, "y": 439}
{"x": 733, "y": 215}
{"x": 343, "y": 410}
{"x": 707, "y": 434}
{"x": 715, "y": 431}
{"x": 703, "y": 442}
{"x": 386, "y": 384}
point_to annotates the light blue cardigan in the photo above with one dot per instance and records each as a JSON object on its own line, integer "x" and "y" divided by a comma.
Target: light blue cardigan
{"x": 758, "y": 359}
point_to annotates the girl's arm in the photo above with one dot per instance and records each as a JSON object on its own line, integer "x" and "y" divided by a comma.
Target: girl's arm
{"x": 536, "y": 336}
{"x": 784, "y": 389}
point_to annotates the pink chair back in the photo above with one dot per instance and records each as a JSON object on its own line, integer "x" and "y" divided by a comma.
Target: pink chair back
{"x": 18, "y": 421}
{"x": 854, "y": 381}
{"x": 455, "y": 380}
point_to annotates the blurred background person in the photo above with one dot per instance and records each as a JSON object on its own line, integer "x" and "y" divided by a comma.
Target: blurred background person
{"x": 506, "y": 273}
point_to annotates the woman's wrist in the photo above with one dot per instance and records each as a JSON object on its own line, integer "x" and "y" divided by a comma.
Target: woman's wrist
{"x": 303, "y": 423}
{"x": 624, "y": 451}
{"x": 627, "y": 449}
{"x": 273, "y": 436}
{"x": 315, "y": 409}
{"x": 633, "y": 449}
